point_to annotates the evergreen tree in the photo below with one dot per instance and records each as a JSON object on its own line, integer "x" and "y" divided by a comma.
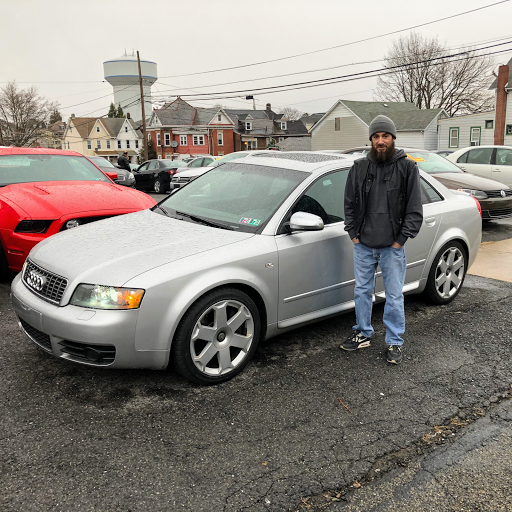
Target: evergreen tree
{"x": 119, "y": 112}
{"x": 112, "y": 112}
{"x": 55, "y": 116}
{"x": 151, "y": 152}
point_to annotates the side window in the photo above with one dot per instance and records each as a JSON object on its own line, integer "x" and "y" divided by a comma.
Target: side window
{"x": 143, "y": 167}
{"x": 504, "y": 157}
{"x": 463, "y": 158}
{"x": 480, "y": 156}
{"x": 428, "y": 194}
{"x": 197, "y": 163}
{"x": 325, "y": 198}
{"x": 153, "y": 165}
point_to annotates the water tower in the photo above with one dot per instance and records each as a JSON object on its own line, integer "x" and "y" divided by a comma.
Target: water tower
{"x": 123, "y": 74}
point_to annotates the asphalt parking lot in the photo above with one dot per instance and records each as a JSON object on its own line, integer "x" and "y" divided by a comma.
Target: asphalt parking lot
{"x": 305, "y": 427}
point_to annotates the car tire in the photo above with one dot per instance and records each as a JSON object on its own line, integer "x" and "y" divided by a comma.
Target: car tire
{"x": 217, "y": 337}
{"x": 158, "y": 187}
{"x": 447, "y": 273}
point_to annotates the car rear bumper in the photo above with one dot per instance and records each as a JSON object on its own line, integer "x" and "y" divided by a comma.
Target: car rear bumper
{"x": 93, "y": 337}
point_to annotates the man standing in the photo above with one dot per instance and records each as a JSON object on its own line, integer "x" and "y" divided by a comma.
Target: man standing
{"x": 382, "y": 210}
{"x": 122, "y": 161}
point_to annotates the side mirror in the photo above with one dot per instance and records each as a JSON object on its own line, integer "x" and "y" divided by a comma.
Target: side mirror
{"x": 302, "y": 221}
{"x": 112, "y": 175}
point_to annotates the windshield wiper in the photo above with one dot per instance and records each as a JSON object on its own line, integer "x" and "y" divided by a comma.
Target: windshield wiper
{"x": 161, "y": 209}
{"x": 206, "y": 222}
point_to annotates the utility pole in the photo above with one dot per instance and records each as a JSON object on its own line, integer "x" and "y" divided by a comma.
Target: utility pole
{"x": 144, "y": 137}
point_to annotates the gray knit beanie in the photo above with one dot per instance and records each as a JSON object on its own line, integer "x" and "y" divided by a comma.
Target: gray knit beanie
{"x": 382, "y": 124}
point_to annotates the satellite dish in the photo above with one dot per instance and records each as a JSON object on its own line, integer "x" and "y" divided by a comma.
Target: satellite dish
{"x": 174, "y": 144}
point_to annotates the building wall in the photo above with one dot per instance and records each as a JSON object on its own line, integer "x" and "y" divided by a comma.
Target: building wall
{"x": 73, "y": 140}
{"x": 410, "y": 140}
{"x": 465, "y": 123}
{"x": 228, "y": 145}
{"x": 353, "y": 132}
{"x": 132, "y": 136}
{"x": 508, "y": 118}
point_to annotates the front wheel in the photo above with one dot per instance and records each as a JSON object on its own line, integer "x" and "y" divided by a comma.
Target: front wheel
{"x": 217, "y": 337}
{"x": 447, "y": 273}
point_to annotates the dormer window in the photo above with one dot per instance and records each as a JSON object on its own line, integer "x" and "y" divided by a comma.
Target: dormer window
{"x": 248, "y": 125}
{"x": 283, "y": 125}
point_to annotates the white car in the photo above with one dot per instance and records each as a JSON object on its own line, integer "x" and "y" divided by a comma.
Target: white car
{"x": 494, "y": 162}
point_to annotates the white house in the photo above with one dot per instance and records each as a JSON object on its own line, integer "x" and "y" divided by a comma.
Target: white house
{"x": 345, "y": 125}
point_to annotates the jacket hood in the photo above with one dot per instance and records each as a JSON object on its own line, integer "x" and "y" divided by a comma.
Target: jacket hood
{"x": 115, "y": 250}
{"x": 54, "y": 199}
{"x": 399, "y": 153}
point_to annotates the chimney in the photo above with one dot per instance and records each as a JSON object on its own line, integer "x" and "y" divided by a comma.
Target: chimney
{"x": 501, "y": 106}
{"x": 72, "y": 116}
{"x": 127, "y": 115}
{"x": 268, "y": 107}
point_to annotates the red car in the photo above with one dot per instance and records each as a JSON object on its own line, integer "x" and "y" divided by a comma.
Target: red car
{"x": 44, "y": 191}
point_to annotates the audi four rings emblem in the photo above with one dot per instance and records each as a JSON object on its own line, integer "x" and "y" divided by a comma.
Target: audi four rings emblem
{"x": 36, "y": 281}
{"x": 503, "y": 193}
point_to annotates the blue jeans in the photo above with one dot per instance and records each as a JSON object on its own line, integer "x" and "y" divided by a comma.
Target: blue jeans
{"x": 393, "y": 265}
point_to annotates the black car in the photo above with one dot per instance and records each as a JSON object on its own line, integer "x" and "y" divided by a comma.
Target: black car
{"x": 156, "y": 174}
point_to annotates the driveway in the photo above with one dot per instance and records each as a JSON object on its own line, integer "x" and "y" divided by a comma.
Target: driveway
{"x": 296, "y": 430}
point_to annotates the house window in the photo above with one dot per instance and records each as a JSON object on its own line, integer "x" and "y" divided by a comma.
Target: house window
{"x": 158, "y": 141}
{"x": 89, "y": 144}
{"x": 248, "y": 125}
{"x": 198, "y": 140}
{"x": 98, "y": 144}
{"x": 97, "y": 129}
{"x": 127, "y": 144}
{"x": 474, "y": 136}
{"x": 118, "y": 144}
{"x": 108, "y": 144}
{"x": 68, "y": 145}
{"x": 454, "y": 138}
{"x": 136, "y": 144}
{"x": 337, "y": 124}
{"x": 149, "y": 137}
{"x": 489, "y": 124}
{"x": 126, "y": 129}
{"x": 220, "y": 138}
{"x": 219, "y": 117}
{"x": 221, "y": 153}
{"x": 283, "y": 126}
{"x": 508, "y": 129}
{"x": 167, "y": 139}
{"x": 159, "y": 156}
{"x": 168, "y": 157}
{"x": 183, "y": 140}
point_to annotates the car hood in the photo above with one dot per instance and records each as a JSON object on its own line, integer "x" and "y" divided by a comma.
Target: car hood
{"x": 53, "y": 199}
{"x": 456, "y": 180}
{"x": 114, "y": 250}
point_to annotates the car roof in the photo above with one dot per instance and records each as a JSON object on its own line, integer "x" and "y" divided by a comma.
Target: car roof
{"x": 37, "y": 151}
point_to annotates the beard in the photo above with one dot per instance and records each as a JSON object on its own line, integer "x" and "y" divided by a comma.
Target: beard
{"x": 382, "y": 156}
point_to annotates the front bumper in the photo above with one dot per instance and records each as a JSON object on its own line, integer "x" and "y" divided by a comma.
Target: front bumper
{"x": 101, "y": 338}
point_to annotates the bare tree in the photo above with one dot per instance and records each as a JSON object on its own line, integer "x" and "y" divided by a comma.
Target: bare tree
{"x": 292, "y": 114}
{"x": 24, "y": 115}
{"x": 424, "y": 76}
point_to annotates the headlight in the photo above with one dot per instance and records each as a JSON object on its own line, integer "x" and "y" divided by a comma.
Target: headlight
{"x": 479, "y": 194}
{"x": 33, "y": 226}
{"x": 106, "y": 297}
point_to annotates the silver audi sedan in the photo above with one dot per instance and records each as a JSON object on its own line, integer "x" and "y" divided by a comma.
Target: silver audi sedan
{"x": 247, "y": 251}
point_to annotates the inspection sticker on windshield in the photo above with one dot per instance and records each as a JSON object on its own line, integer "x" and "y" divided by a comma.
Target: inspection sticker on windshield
{"x": 419, "y": 159}
{"x": 248, "y": 220}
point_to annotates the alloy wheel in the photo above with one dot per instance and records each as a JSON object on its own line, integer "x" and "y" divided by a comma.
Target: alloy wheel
{"x": 449, "y": 272}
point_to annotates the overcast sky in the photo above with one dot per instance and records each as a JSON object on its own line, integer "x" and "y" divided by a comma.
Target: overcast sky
{"x": 60, "y": 45}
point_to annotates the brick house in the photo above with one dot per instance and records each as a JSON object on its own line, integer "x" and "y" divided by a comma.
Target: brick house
{"x": 179, "y": 130}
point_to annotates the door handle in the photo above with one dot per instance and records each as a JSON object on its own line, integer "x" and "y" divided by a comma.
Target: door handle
{"x": 430, "y": 221}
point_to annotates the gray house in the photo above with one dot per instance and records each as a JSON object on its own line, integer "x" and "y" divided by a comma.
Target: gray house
{"x": 345, "y": 125}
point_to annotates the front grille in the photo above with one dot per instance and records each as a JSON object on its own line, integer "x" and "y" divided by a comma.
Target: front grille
{"x": 100, "y": 355}
{"x": 42, "y": 339}
{"x": 497, "y": 193}
{"x": 54, "y": 285}
{"x": 86, "y": 220}
{"x": 499, "y": 213}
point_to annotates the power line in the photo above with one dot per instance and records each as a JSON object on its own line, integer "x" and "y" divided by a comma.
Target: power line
{"x": 342, "y": 45}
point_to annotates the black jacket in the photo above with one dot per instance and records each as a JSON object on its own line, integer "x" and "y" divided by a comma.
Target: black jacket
{"x": 405, "y": 212}
{"x": 122, "y": 161}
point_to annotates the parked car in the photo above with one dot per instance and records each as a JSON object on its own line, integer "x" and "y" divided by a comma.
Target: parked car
{"x": 124, "y": 177}
{"x": 189, "y": 174}
{"x": 156, "y": 174}
{"x": 493, "y": 162}
{"x": 214, "y": 267}
{"x": 442, "y": 152}
{"x": 494, "y": 197}
{"x": 47, "y": 191}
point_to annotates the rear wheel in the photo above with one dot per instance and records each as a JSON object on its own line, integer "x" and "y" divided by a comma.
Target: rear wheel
{"x": 447, "y": 273}
{"x": 158, "y": 186}
{"x": 217, "y": 337}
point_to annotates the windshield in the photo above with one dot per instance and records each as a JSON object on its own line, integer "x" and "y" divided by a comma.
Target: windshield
{"x": 30, "y": 168}
{"x": 432, "y": 163}
{"x": 101, "y": 162}
{"x": 241, "y": 196}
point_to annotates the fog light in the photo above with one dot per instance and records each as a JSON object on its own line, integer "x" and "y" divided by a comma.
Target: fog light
{"x": 73, "y": 223}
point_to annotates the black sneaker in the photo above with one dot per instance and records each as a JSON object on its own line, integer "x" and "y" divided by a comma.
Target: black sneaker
{"x": 394, "y": 354}
{"x": 354, "y": 341}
